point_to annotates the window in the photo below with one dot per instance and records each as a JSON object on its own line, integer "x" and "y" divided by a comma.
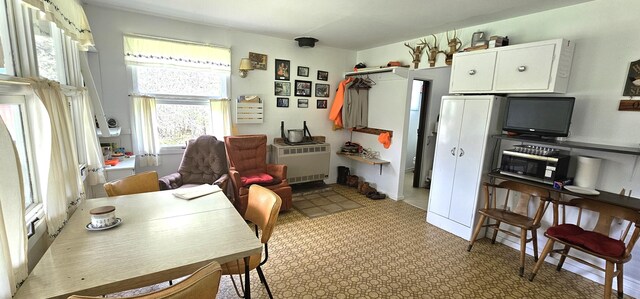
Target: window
{"x": 183, "y": 77}
{"x": 6, "y": 62}
{"x": 48, "y": 43}
{"x": 13, "y": 115}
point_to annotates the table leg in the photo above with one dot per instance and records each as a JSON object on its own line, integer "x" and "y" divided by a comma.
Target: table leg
{"x": 247, "y": 282}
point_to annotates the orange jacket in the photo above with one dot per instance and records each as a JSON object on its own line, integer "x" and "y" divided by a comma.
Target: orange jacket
{"x": 336, "y": 108}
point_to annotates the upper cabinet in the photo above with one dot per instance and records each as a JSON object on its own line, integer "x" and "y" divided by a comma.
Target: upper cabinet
{"x": 540, "y": 67}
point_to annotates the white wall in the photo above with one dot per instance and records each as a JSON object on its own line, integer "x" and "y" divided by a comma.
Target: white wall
{"x": 108, "y": 26}
{"x": 605, "y": 33}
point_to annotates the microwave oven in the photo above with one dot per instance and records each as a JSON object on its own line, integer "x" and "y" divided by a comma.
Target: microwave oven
{"x": 540, "y": 164}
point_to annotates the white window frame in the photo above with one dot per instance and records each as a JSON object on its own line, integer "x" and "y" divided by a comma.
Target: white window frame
{"x": 35, "y": 208}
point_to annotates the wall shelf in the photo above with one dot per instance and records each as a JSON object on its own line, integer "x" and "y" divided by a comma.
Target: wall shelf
{"x": 362, "y": 159}
{"x": 400, "y": 71}
{"x": 575, "y": 144}
{"x": 113, "y": 132}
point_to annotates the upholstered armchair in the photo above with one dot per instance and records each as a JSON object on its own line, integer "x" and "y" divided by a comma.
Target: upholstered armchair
{"x": 248, "y": 165}
{"x": 204, "y": 162}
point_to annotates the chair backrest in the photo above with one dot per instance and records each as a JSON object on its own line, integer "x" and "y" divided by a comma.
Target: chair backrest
{"x": 203, "y": 283}
{"x": 247, "y": 153}
{"x": 262, "y": 210}
{"x": 137, "y": 183}
{"x": 204, "y": 161}
{"x": 527, "y": 194}
{"x": 607, "y": 214}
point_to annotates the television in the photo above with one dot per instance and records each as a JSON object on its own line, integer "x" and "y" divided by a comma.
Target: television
{"x": 539, "y": 116}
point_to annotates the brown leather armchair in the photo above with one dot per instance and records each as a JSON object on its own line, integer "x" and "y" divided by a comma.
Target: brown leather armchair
{"x": 248, "y": 165}
{"x": 203, "y": 162}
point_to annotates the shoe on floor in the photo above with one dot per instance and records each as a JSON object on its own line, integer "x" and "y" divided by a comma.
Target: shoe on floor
{"x": 376, "y": 195}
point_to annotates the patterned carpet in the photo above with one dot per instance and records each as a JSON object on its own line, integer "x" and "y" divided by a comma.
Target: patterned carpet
{"x": 387, "y": 250}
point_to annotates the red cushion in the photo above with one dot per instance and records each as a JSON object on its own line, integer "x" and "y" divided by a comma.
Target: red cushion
{"x": 592, "y": 241}
{"x": 259, "y": 178}
{"x": 562, "y": 231}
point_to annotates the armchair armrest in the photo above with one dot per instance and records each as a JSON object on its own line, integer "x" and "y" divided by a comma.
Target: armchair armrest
{"x": 236, "y": 181}
{"x": 171, "y": 181}
{"x": 222, "y": 182}
{"x": 278, "y": 171}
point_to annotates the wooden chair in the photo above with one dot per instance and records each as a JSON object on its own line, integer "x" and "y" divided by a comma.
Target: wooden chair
{"x": 202, "y": 284}
{"x": 517, "y": 215}
{"x": 262, "y": 210}
{"x": 133, "y": 184}
{"x": 615, "y": 252}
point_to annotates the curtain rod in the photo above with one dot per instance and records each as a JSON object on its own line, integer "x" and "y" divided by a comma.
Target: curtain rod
{"x": 176, "y": 40}
{"x": 177, "y": 97}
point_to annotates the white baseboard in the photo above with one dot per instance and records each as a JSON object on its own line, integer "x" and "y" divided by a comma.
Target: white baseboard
{"x": 631, "y": 286}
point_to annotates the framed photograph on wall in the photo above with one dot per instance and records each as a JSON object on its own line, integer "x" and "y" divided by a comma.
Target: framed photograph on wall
{"x": 321, "y": 104}
{"x": 322, "y": 90}
{"x": 282, "y": 102}
{"x": 258, "y": 61}
{"x": 323, "y": 76}
{"x": 282, "y": 69}
{"x": 303, "y": 103}
{"x": 303, "y": 71}
{"x": 303, "y": 88}
{"x": 282, "y": 88}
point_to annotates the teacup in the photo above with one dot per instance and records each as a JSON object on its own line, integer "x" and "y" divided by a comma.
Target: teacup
{"x": 103, "y": 216}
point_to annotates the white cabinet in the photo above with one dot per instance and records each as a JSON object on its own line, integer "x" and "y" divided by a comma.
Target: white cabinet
{"x": 540, "y": 67}
{"x": 461, "y": 160}
{"x": 125, "y": 168}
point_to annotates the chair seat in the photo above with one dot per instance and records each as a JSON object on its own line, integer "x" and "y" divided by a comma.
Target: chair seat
{"x": 237, "y": 267}
{"x": 509, "y": 217}
{"x": 589, "y": 240}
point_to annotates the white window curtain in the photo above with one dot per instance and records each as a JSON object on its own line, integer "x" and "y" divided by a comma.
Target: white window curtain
{"x": 69, "y": 16}
{"x": 13, "y": 235}
{"x": 56, "y": 157}
{"x": 154, "y": 50}
{"x": 147, "y": 141}
{"x": 95, "y": 167}
{"x": 221, "y": 118}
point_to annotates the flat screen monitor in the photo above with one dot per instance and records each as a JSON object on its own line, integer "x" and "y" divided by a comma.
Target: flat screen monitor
{"x": 539, "y": 116}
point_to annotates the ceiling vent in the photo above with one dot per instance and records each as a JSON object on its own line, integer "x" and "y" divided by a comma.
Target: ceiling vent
{"x": 306, "y": 42}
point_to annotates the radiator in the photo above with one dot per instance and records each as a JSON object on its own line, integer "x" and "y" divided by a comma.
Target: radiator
{"x": 305, "y": 163}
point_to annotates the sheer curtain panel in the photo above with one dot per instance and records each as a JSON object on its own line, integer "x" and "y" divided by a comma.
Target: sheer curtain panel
{"x": 147, "y": 141}
{"x": 13, "y": 236}
{"x": 221, "y": 118}
{"x": 57, "y": 168}
{"x": 95, "y": 167}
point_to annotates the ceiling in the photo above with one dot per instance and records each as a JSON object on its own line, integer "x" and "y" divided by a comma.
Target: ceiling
{"x": 352, "y": 24}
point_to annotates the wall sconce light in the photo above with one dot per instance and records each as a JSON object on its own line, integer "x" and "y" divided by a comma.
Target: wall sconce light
{"x": 245, "y": 67}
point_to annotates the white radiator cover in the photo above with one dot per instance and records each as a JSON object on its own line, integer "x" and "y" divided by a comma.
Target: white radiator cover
{"x": 305, "y": 163}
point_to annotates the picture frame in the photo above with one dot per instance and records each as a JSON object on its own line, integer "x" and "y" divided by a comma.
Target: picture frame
{"x": 282, "y": 69}
{"x": 282, "y": 102}
{"x": 323, "y": 76}
{"x": 282, "y": 88}
{"x": 303, "y": 103}
{"x": 258, "y": 61}
{"x": 321, "y": 104}
{"x": 303, "y": 88}
{"x": 303, "y": 71}
{"x": 322, "y": 90}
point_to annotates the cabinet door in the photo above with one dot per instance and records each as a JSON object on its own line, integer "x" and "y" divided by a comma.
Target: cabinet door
{"x": 470, "y": 156}
{"x": 473, "y": 72}
{"x": 524, "y": 68}
{"x": 445, "y": 156}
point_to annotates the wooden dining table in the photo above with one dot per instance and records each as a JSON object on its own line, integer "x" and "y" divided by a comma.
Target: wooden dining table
{"x": 161, "y": 238}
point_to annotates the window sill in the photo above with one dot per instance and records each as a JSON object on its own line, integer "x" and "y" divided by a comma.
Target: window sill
{"x": 172, "y": 150}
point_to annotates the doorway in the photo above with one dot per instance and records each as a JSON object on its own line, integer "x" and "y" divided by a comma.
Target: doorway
{"x": 417, "y": 127}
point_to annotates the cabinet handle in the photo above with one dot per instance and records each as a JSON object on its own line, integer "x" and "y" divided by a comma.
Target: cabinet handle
{"x": 522, "y": 68}
{"x": 472, "y": 72}
{"x": 461, "y": 152}
{"x": 453, "y": 151}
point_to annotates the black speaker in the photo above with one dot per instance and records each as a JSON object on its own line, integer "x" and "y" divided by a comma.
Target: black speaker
{"x": 343, "y": 172}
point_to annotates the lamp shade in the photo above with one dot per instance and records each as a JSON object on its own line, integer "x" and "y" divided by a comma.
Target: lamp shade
{"x": 245, "y": 64}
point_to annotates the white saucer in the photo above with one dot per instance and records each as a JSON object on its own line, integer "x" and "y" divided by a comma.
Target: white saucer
{"x": 582, "y": 190}
{"x": 90, "y": 227}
